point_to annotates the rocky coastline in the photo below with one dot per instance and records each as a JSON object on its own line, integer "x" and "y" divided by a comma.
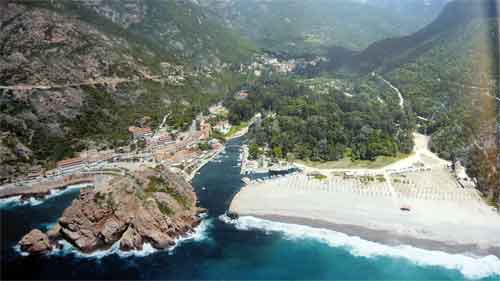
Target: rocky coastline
{"x": 154, "y": 206}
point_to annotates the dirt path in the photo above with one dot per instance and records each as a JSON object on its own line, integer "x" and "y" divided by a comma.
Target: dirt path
{"x": 401, "y": 98}
{"x": 107, "y": 81}
{"x": 421, "y": 153}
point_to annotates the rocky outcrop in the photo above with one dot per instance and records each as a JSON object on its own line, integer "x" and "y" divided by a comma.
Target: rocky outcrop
{"x": 71, "y": 78}
{"x": 150, "y": 206}
{"x": 124, "y": 13}
{"x": 131, "y": 240}
{"x": 35, "y": 242}
{"x": 41, "y": 52}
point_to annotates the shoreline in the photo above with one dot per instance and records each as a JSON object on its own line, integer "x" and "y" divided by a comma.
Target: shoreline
{"x": 191, "y": 175}
{"x": 382, "y": 236}
{"x": 238, "y": 134}
{"x": 463, "y": 226}
{"x": 424, "y": 207}
{"x": 34, "y": 200}
{"x": 38, "y": 192}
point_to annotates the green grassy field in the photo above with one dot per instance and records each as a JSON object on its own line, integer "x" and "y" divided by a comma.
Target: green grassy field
{"x": 347, "y": 163}
{"x": 235, "y": 129}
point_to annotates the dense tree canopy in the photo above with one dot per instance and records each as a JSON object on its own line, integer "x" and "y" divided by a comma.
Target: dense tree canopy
{"x": 322, "y": 127}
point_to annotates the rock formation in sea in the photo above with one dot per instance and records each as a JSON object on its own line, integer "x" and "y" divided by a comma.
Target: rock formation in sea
{"x": 152, "y": 206}
{"x": 35, "y": 242}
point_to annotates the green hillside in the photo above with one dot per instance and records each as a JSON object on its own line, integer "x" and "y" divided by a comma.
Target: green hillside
{"x": 180, "y": 29}
{"x": 97, "y": 78}
{"x": 449, "y": 74}
{"x": 311, "y": 26}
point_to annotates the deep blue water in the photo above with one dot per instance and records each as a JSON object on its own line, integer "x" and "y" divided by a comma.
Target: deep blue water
{"x": 225, "y": 252}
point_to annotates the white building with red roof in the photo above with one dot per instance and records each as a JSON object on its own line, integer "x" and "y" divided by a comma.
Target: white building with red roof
{"x": 140, "y": 133}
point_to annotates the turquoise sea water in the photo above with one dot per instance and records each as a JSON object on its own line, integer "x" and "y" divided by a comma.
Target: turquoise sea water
{"x": 243, "y": 249}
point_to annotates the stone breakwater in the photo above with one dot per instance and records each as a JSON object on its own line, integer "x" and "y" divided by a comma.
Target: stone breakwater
{"x": 153, "y": 206}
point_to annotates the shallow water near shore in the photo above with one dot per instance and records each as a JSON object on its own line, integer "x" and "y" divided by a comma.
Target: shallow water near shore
{"x": 221, "y": 250}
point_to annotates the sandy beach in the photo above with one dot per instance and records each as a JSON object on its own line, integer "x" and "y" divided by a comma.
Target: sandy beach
{"x": 442, "y": 215}
{"x": 387, "y": 237}
{"x": 468, "y": 222}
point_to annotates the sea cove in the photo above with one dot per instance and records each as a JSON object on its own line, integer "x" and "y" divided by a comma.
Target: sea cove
{"x": 250, "y": 140}
{"x": 222, "y": 248}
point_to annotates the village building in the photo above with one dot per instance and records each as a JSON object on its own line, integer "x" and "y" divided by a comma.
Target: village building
{"x": 35, "y": 173}
{"x": 217, "y": 109}
{"x": 70, "y": 165}
{"x": 223, "y": 127}
{"x": 140, "y": 133}
{"x": 52, "y": 173}
{"x": 206, "y": 130}
{"x": 160, "y": 140}
{"x": 93, "y": 157}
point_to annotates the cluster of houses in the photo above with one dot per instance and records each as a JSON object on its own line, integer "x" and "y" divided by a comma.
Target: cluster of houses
{"x": 223, "y": 127}
{"x": 86, "y": 159}
{"x": 264, "y": 63}
{"x": 283, "y": 67}
{"x": 159, "y": 146}
{"x": 160, "y": 140}
{"x": 140, "y": 133}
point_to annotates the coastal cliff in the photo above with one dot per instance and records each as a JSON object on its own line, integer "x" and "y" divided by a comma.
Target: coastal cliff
{"x": 148, "y": 206}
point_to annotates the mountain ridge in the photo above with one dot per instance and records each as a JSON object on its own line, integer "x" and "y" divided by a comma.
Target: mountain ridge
{"x": 456, "y": 14}
{"x": 69, "y": 84}
{"x": 301, "y": 27}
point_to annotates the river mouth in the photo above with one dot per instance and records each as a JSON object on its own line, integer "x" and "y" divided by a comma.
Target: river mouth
{"x": 220, "y": 251}
{"x": 207, "y": 181}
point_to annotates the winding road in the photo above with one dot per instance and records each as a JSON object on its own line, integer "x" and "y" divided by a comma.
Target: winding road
{"x": 401, "y": 98}
{"x": 90, "y": 82}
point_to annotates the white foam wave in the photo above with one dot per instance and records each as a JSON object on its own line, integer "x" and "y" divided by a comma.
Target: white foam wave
{"x": 10, "y": 201}
{"x": 33, "y": 201}
{"x": 469, "y": 265}
{"x": 69, "y": 249}
{"x": 17, "y": 248}
{"x": 199, "y": 234}
{"x": 16, "y": 201}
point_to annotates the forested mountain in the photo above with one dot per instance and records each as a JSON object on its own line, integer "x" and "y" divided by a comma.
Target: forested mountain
{"x": 309, "y": 125}
{"x": 311, "y": 26}
{"x": 393, "y": 52}
{"x": 180, "y": 28}
{"x": 79, "y": 73}
{"x": 449, "y": 73}
{"x": 454, "y": 85}
{"x": 415, "y": 10}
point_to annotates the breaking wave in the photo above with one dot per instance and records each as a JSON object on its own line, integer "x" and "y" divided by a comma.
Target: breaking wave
{"x": 470, "y": 266}
{"x": 10, "y": 202}
{"x": 16, "y": 201}
{"x": 200, "y": 233}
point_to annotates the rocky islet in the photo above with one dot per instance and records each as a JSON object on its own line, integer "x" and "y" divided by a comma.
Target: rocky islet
{"x": 153, "y": 206}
